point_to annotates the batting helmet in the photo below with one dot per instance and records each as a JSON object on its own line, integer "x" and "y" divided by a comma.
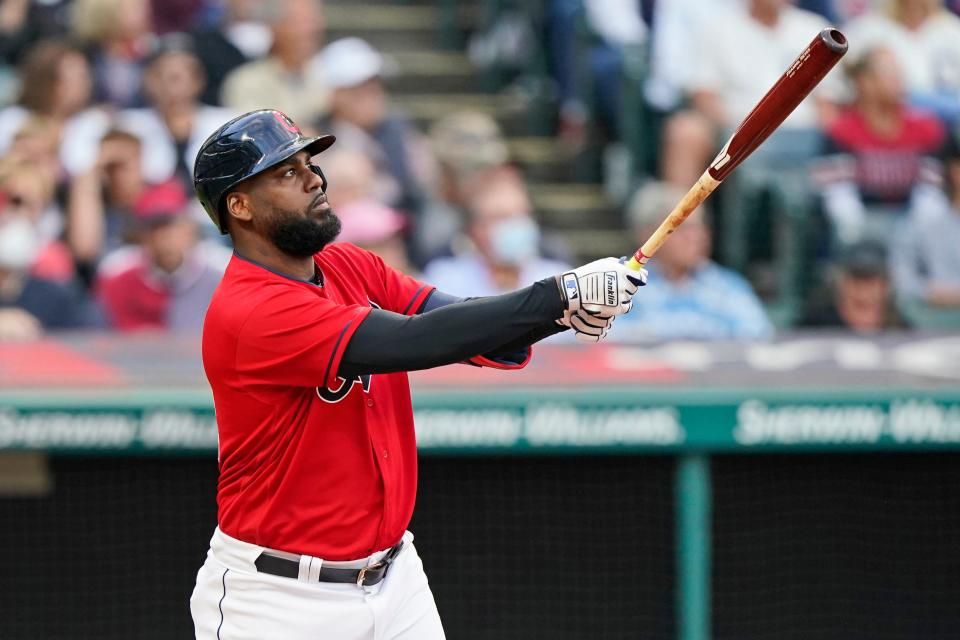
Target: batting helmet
{"x": 242, "y": 148}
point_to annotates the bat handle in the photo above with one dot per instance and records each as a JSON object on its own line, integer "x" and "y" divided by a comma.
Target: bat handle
{"x": 693, "y": 199}
{"x": 637, "y": 261}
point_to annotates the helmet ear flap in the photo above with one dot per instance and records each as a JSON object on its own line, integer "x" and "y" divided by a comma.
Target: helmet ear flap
{"x": 319, "y": 172}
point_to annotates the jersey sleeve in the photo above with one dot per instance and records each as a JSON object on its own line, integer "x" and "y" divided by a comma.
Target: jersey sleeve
{"x": 400, "y": 293}
{"x": 296, "y": 339}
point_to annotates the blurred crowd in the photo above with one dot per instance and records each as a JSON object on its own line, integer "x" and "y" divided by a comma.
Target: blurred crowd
{"x": 104, "y": 103}
{"x": 866, "y": 168}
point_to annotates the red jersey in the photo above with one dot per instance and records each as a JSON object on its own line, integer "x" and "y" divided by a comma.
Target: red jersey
{"x": 310, "y": 463}
{"x": 885, "y": 169}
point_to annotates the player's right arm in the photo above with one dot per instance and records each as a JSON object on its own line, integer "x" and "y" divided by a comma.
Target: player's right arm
{"x": 386, "y": 342}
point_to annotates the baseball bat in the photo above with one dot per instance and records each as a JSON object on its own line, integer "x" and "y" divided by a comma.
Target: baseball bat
{"x": 798, "y": 80}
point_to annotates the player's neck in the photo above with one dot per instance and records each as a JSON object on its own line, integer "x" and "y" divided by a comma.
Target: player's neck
{"x": 272, "y": 258}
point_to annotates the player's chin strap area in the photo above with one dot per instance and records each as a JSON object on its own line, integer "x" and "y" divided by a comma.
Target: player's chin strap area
{"x": 288, "y": 566}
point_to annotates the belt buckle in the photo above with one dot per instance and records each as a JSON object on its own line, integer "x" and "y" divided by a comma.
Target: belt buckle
{"x": 363, "y": 573}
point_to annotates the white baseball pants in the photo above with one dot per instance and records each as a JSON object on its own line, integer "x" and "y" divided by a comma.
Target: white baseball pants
{"x": 232, "y": 601}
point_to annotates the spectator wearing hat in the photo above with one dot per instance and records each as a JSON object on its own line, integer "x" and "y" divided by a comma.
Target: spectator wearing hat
{"x": 859, "y": 296}
{"x": 288, "y": 79}
{"x": 927, "y": 268}
{"x": 688, "y": 296}
{"x": 175, "y": 124}
{"x": 165, "y": 280}
{"x": 468, "y": 145}
{"x": 499, "y": 249}
{"x": 31, "y": 304}
{"x": 361, "y": 118}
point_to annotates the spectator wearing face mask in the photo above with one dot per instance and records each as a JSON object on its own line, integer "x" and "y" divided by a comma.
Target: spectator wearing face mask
{"x": 31, "y": 305}
{"x": 468, "y": 145}
{"x": 164, "y": 281}
{"x": 500, "y": 247}
{"x": 28, "y": 182}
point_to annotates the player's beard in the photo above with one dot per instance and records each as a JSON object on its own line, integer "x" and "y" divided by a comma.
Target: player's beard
{"x": 300, "y": 235}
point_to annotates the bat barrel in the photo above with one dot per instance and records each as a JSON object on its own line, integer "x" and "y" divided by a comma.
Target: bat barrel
{"x": 820, "y": 56}
{"x": 813, "y": 63}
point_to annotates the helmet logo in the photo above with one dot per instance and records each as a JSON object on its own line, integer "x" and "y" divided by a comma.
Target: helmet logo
{"x": 286, "y": 122}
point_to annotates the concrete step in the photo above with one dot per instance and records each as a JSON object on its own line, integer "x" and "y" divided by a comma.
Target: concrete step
{"x": 573, "y": 205}
{"x": 591, "y": 244}
{"x": 431, "y": 71}
{"x": 395, "y": 27}
{"x": 544, "y": 159}
{"x": 425, "y": 108}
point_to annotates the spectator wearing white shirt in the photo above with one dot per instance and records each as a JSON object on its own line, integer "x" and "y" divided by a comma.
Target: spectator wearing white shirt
{"x": 925, "y": 38}
{"x": 741, "y": 54}
{"x": 59, "y": 91}
{"x": 289, "y": 78}
{"x": 176, "y": 123}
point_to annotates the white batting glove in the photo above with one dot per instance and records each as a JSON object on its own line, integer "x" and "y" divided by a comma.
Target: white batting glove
{"x": 602, "y": 288}
{"x": 587, "y": 327}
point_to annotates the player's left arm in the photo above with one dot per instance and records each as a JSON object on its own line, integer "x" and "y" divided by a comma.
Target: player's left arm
{"x": 408, "y": 296}
{"x": 513, "y": 355}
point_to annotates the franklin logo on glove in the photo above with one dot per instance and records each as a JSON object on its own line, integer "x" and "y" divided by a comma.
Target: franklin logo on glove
{"x": 611, "y": 277}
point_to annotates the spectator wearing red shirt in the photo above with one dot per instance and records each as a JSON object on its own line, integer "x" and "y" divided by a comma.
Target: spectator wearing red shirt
{"x": 879, "y": 150}
{"x": 165, "y": 280}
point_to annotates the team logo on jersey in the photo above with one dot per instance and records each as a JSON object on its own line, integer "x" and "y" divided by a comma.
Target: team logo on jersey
{"x": 331, "y": 395}
{"x": 334, "y": 395}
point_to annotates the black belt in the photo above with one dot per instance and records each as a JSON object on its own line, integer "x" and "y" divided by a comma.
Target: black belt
{"x": 363, "y": 577}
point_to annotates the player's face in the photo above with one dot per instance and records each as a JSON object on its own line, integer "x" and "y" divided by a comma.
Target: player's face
{"x": 291, "y": 208}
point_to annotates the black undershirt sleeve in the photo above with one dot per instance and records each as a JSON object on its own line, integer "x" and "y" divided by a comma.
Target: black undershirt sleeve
{"x": 386, "y": 342}
{"x": 513, "y": 352}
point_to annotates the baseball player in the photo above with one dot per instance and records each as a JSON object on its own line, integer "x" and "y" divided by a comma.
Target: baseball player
{"x": 306, "y": 345}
